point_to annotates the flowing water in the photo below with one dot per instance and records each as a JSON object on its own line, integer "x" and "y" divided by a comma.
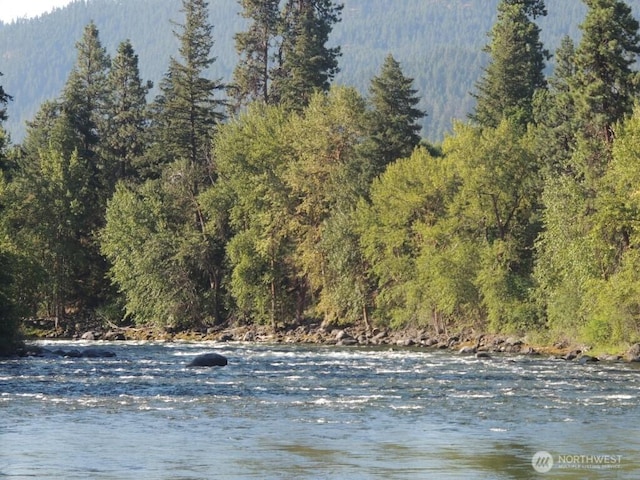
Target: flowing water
{"x": 297, "y": 412}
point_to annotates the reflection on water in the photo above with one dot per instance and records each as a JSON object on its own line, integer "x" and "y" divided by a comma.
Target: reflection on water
{"x": 312, "y": 412}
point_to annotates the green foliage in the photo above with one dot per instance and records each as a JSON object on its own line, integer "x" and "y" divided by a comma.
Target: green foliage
{"x": 394, "y": 119}
{"x": 605, "y": 83}
{"x": 307, "y": 63}
{"x": 251, "y": 155}
{"x": 49, "y": 209}
{"x": 125, "y": 133}
{"x": 158, "y": 258}
{"x": 10, "y": 268}
{"x": 407, "y": 202}
{"x": 315, "y": 201}
{"x": 257, "y": 51}
{"x": 326, "y": 176}
{"x": 187, "y": 110}
{"x": 611, "y": 305}
{"x": 10, "y": 309}
{"x": 496, "y": 208}
{"x": 516, "y": 66}
{"x": 85, "y": 94}
{"x": 555, "y": 114}
{"x": 565, "y": 259}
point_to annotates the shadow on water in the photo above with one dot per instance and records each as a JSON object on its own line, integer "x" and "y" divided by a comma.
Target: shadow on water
{"x": 510, "y": 460}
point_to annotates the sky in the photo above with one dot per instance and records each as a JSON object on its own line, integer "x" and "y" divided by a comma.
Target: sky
{"x": 12, "y": 9}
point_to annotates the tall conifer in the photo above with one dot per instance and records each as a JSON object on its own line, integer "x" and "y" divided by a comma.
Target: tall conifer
{"x": 257, "y": 48}
{"x": 85, "y": 93}
{"x": 306, "y": 63}
{"x": 516, "y": 65}
{"x": 187, "y": 109}
{"x": 605, "y": 83}
{"x": 395, "y": 127}
{"x": 127, "y": 113}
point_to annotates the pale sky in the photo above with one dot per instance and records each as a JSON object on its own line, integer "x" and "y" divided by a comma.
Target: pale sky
{"x": 12, "y": 9}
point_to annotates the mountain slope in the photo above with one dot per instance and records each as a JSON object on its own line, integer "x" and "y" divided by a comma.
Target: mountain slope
{"x": 438, "y": 43}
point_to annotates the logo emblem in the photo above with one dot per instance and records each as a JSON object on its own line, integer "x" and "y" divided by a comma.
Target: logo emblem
{"x": 542, "y": 462}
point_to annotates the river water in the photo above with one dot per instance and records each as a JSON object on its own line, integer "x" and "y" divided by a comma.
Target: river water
{"x": 298, "y": 412}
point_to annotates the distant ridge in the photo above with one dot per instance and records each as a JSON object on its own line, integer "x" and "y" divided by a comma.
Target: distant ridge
{"x": 438, "y": 43}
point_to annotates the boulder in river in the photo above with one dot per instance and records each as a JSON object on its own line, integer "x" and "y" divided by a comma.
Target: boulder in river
{"x": 208, "y": 360}
{"x": 97, "y": 353}
{"x": 587, "y": 359}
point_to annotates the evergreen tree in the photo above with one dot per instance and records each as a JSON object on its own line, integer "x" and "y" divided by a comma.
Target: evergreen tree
{"x": 256, "y": 47}
{"x": 555, "y": 113}
{"x": 605, "y": 84}
{"x": 161, "y": 261}
{"x": 516, "y": 65}
{"x": 126, "y": 113}
{"x": 8, "y": 265}
{"x": 50, "y": 222}
{"x": 187, "y": 111}
{"x": 176, "y": 255}
{"x": 305, "y": 63}
{"x": 394, "y": 118}
{"x": 85, "y": 94}
{"x": 40, "y": 127}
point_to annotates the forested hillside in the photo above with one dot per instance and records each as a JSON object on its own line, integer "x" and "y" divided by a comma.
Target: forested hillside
{"x": 296, "y": 196}
{"x": 439, "y": 44}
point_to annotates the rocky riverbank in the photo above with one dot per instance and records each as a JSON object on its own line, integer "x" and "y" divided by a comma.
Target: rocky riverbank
{"x": 470, "y": 343}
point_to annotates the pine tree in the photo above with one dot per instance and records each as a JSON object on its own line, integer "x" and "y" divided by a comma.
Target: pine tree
{"x": 78, "y": 131}
{"x": 305, "y": 63}
{"x": 126, "y": 113}
{"x": 9, "y": 304}
{"x": 256, "y": 47}
{"x": 605, "y": 84}
{"x": 516, "y": 65}
{"x": 395, "y": 127}
{"x": 555, "y": 114}
{"x": 181, "y": 255}
{"x": 187, "y": 110}
{"x": 85, "y": 92}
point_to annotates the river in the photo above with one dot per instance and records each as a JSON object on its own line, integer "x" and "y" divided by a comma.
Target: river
{"x": 315, "y": 412}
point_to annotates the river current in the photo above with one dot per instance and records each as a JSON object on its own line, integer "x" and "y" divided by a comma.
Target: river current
{"x": 316, "y": 412}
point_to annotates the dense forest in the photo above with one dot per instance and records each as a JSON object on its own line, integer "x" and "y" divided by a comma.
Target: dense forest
{"x": 438, "y": 43}
{"x": 279, "y": 195}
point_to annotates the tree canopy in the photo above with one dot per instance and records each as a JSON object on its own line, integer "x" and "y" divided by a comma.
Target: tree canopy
{"x": 310, "y": 201}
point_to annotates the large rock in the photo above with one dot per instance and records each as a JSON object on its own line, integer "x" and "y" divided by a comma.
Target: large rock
{"x": 89, "y": 336}
{"x": 113, "y": 335}
{"x": 208, "y": 360}
{"x": 97, "y": 353}
{"x": 633, "y": 354}
{"x": 85, "y": 353}
{"x": 587, "y": 359}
